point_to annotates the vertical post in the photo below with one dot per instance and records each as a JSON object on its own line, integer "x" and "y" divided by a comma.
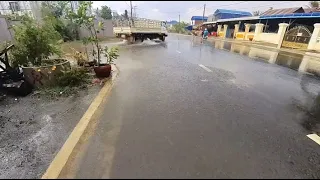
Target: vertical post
{"x": 204, "y": 10}
{"x": 314, "y": 36}
{"x": 246, "y": 30}
{"x": 135, "y": 11}
{"x": 236, "y": 29}
{"x": 258, "y": 31}
{"x": 131, "y": 12}
{"x": 219, "y": 29}
{"x": 179, "y": 17}
{"x": 225, "y": 28}
{"x": 281, "y": 32}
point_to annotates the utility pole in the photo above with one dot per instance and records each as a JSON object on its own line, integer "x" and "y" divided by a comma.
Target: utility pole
{"x": 179, "y": 17}
{"x": 135, "y": 12}
{"x": 131, "y": 12}
{"x": 204, "y": 10}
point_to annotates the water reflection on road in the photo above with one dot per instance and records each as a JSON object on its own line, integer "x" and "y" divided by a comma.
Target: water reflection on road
{"x": 302, "y": 63}
{"x": 308, "y": 65}
{"x": 308, "y": 107}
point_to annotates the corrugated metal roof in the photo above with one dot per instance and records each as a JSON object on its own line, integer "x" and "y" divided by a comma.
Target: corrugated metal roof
{"x": 281, "y": 11}
{"x": 198, "y": 18}
{"x": 226, "y": 11}
{"x": 292, "y": 16}
{"x": 233, "y": 19}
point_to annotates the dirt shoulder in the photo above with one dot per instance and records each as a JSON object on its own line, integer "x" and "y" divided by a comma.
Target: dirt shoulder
{"x": 34, "y": 128}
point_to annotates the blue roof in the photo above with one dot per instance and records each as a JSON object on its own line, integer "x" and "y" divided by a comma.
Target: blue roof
{"x": 199, "y": 18}
{"x": 225, "y": 11}
{"x": 295, "y": 15}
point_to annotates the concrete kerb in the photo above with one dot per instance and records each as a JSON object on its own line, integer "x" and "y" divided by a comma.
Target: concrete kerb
{"x": 68, "y": 148}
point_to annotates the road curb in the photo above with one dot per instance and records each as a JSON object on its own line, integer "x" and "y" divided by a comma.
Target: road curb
{"x": 63, "y": 156}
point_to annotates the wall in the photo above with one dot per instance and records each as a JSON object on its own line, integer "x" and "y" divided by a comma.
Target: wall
{"x": 317, "y": 46}
{"x": 5, "y": 34}
{"x": 249, "y": 35}
{"x": 220, "y": 34}
{"x": 108, "y": 29}
{"x": 268, "y": 37}
{"x": 239, "y": 35}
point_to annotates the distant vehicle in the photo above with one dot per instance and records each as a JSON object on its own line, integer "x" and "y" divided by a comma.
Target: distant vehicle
{"x": 140, "y": 29}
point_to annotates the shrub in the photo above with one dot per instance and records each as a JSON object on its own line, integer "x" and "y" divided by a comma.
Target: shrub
{"x": 111, "y": 54}
{"x": 34, "y": 42}
{"x": 73, "y": 77}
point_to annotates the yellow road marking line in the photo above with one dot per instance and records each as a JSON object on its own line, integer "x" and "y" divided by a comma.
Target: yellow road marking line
{"x": 68, "y": 147}
{"x": 315, "y": 138}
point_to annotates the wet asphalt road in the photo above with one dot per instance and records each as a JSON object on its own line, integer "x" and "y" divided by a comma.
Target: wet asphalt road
{"x": 182, "y": 109}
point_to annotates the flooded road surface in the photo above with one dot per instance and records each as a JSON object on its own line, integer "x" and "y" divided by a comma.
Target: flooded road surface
{"x": 182, "y": 109}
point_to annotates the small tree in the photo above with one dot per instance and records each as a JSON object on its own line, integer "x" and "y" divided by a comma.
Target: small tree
{"x": 83, "y": 19}
{"x": 55, "y": 13}
{"x": 105, "y": 12}
{"x": 111, "y": 54}
{"x": 180, "y": 27}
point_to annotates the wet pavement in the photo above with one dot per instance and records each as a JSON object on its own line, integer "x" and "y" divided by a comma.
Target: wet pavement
{"x": 182, "y": 109}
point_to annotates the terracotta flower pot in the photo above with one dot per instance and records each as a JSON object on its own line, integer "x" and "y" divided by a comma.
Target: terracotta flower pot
{"x": 102, "y": 71}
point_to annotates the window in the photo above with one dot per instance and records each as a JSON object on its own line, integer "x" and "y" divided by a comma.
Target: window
{"x": 14, "y": 6}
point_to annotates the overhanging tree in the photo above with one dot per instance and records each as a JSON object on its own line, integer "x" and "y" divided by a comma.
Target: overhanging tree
{"x": 105, "y": 12}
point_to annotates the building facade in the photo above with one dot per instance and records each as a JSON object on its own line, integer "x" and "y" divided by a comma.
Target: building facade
{"x": 18, "y": 7}
{"x": 32, "y": 8}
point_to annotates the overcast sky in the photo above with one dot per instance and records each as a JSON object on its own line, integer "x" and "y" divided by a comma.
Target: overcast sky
{"x": 169, "y": 10}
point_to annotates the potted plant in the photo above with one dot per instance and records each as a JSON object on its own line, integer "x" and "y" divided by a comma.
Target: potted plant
{"x": 82, "y": 18}
{"x": 34, "y": 44}
{"x": 104, "y": 70}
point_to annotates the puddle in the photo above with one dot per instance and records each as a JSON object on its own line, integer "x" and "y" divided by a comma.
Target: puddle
{"x": 302, "y": 63}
